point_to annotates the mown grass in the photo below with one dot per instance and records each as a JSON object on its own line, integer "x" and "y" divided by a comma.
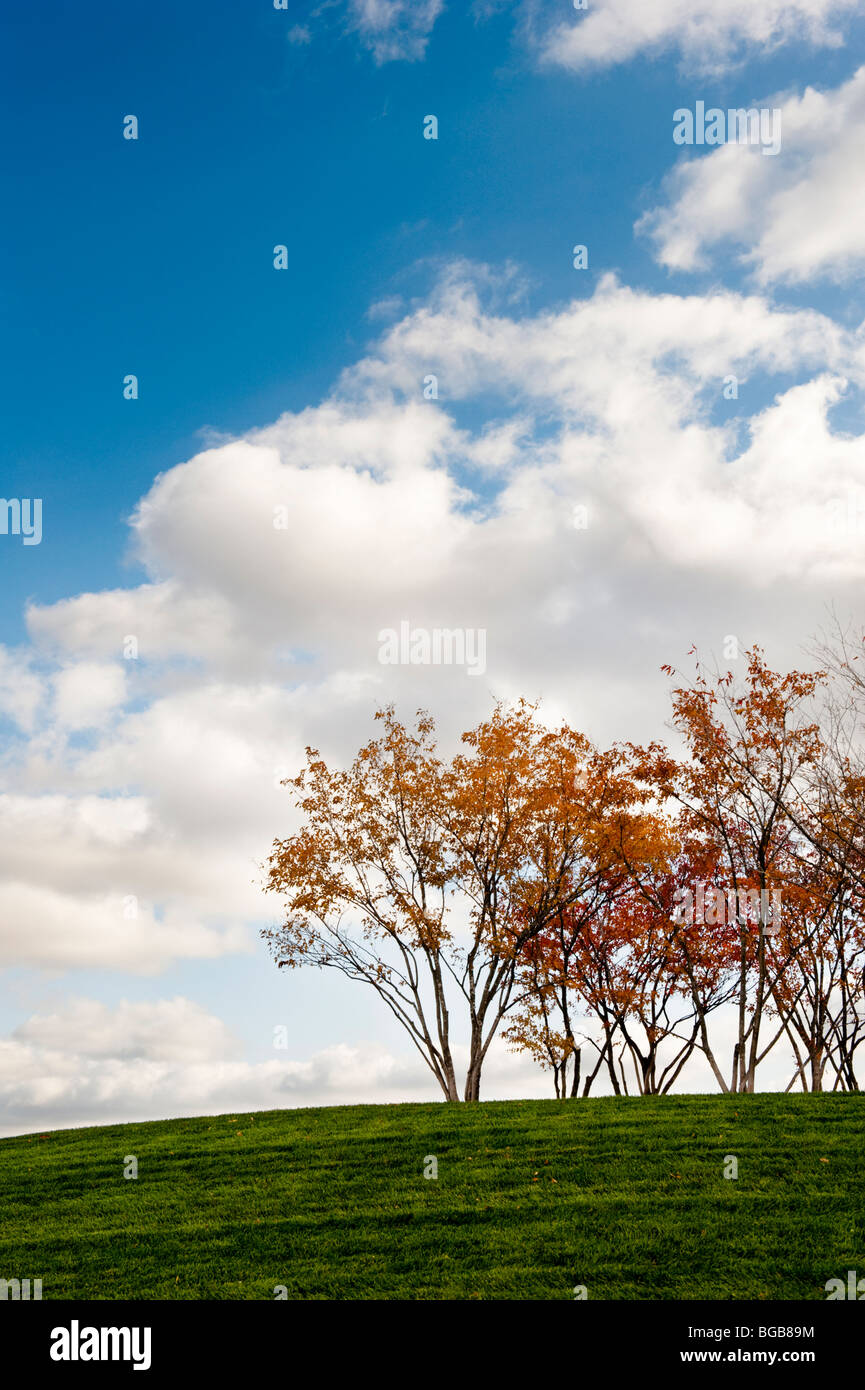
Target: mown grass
{"x": 624, "y": 1196}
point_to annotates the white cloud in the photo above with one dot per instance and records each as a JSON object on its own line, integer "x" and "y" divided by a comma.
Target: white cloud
{"x": 89, "y": 1064}
{"x": 67, "y": 930}
{"x": 394, "y": 29}
{"x": 796, "y": 217}
{"x": 255, "y": 641}
{"x": 21, "y": 689}
{"x": 708, "y": 36}
{"x": 167, "y": 1030}
{"x": 88, "y": 693}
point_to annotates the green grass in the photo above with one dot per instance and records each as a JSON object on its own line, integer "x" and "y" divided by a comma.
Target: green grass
{"x": 625, "y": 1196}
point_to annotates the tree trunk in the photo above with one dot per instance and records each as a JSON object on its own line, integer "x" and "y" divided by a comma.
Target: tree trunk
{"x": 818, "y": 1064}
{"x": 473, "y": 1075}
{"x": 450, "y": 1088}
{"x": 575, "y": 1084}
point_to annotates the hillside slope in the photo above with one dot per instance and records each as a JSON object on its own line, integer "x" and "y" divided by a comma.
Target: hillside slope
{"x": 624, "y": 1196}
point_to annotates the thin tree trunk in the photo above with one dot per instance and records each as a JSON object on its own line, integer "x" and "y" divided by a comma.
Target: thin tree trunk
{"x": 575, "y": 1084}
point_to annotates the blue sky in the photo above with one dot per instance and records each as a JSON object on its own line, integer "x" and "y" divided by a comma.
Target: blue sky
{"x": 260, "y": 127}
{"x": 154, "y": 256}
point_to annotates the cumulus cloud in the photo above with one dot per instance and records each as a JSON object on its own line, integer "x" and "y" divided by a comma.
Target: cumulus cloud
{"x": 708, "y": 36}
{"x": 273, "y": 562}
{"x": 795, "y": 217}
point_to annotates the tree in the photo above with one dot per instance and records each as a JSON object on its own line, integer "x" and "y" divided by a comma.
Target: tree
{"x": 666, "y": 862}
{"x": 622, "y": 959}
{"x": 542, "y": 1021}
{"x": 504, "y": 833}
{"x": 748, "y": 749}
{"x": 817, "y": 956}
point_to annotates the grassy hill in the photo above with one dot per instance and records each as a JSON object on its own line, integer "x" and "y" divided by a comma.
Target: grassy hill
{"x": 625, "y": 1196}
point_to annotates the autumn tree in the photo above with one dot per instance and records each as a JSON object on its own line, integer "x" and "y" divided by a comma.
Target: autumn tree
{"x": 620, "y": 961}
{"x": 679, "y": 969}
{"x": 631, "y": 972}
{"x": 544, "y": 1019}
{"x": 817, "y": 962}
{"x": 748, "y": 750}
{"x": 425, "y": 878}
{"x": 610, "y": 900}
{"x": 541, "y": 1022}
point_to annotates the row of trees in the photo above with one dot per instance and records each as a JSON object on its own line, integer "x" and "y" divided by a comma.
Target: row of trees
{"x": 603, "y": 908}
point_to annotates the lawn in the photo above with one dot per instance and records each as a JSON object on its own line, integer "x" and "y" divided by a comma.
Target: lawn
{"x": 624, "y": 1196}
